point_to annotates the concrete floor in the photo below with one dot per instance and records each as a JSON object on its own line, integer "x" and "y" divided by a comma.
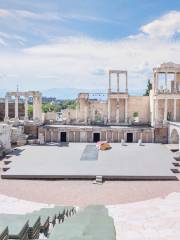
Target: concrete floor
{"x": 151, "y": 161}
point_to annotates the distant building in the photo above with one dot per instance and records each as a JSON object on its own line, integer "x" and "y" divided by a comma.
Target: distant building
{"x": 49, "y": 100}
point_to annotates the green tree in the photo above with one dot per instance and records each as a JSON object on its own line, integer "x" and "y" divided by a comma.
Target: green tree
{"x": 30, "y": 111}
{"x": 51, "y": 107}
{"x": 149, "y": 87}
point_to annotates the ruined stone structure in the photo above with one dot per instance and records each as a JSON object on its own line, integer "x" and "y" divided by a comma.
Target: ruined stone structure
{"x": 5, "y": 137}
{"x": 165, "y": 95}
{"x": 116, "y": 117}
{"x": 37, "y": 113}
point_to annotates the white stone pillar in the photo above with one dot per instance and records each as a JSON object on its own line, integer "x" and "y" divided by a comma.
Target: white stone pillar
{"x": 117, "y": 82}
{"x": 67, "y": 139}
{"x": 109, "y": 110}
{"x": 141, "y": 136}
{"x": 37, "y": 112}
{"x": 109, "y": 82}
{"x": 86, "y": 114}
{"x": 16, "y": 108}
{"x": 117, "y": 112}
{"x": 175, "y": 87}
{"x": 152, "y": 134}
{"x": 156, "y": 110}
{"x": 157, "y": 82}
{"x": 34, "y": 107}
{"x": 106, "y": 136}
{"x": 125, "y": 136}
{"x": 166, "y": 80}
{"x": 154, "y": 83}
{"x": 126, "y": 110}
{"x": 6, "y": 118}
{"x": 165, "y": 109}
{"x": 26, "y": 108}
{"x": 126, "y": 82}
{"x": 77, "y": 113}
{"x": 174, "y": 116}
{"x": 51, "y": 135}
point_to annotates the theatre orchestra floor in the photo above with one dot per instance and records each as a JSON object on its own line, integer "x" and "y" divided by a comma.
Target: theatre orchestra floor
{"x": 83, "y": 161}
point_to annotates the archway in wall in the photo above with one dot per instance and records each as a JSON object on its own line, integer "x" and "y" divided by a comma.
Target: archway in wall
{"x": 175, "y": 136}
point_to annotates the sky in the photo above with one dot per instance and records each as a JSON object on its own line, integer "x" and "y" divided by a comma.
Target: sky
{"x": 47, "y": 44}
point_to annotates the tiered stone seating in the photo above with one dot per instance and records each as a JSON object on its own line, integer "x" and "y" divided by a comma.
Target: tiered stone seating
{"x": 3, "y": 233}
{"x": 29, "y": 226}
{"x": 92, "y": 223}
{"x": 18, "y": 226}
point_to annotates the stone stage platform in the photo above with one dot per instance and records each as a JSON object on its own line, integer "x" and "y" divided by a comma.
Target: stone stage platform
{"x": 53, "y": 161}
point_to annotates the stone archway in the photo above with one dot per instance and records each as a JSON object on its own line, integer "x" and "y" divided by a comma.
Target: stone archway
{"x": 175, "y": 136}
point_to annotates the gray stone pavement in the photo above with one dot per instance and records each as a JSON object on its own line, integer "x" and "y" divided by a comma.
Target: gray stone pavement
{"x": 151, "y": 161}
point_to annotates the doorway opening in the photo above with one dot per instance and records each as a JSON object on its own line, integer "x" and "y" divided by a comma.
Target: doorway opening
{"x": 96, "y": 137}
{"x": 129, "y": 137}
{"x": 63, "y": 137}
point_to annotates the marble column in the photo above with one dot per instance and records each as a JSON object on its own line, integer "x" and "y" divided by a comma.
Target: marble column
{"x": 77, "y": 113}
{"x": 125, "y": 136}
{"x": 156, "y": 110}
{"x": 126, "y": 82}
{"x": 154, "y": 83}
{"x": 126, "y": 110}
{"x": 34, "y": 107}
{"x": 37, "y": 112}
{"x": 86, "y": 114}
{"x": 117, "y": 112}
{"x": 152, "y": 132}
{"x": 165, "y": 109}
{"x": 16, "y": 109}
{"x": 141, "y": 136}
{"x": 109, "y": 82}
{"x": 26, "y": 108}
{"x": 6, "y": 109}
{"x": 157, "y": 80}
{"x": 117, "y": 82}
{"x": 174, "y": 116}
{"x": 109, "y": 110}
{"x": 175, "y": 87}
{"x": 166, "y": 80}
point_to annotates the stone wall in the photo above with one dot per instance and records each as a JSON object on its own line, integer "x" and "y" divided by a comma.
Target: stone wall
{"x": 95, "y": 111}
{"x": 31, "y": 130}
{"x": 5, "y": 136}
{"x": 140, "y": 104}
{"x": 85, "y": 134}
{"x": 161, "y": 135}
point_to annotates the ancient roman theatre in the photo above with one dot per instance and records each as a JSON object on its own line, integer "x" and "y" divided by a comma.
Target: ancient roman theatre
{"x": 135, "y": 126}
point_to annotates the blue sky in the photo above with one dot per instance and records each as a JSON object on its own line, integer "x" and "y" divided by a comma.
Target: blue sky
{"x": 72, "y": 43}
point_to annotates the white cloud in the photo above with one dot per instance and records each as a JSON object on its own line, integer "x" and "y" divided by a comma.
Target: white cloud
{"x": 28, "y": 14}
{"x": 2, "y": 42}
{"x": 51, "y": 16}
{"x": 164, "y": 27}
{"x": 5, "y": 13}
{"x": 74, "y": 60}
